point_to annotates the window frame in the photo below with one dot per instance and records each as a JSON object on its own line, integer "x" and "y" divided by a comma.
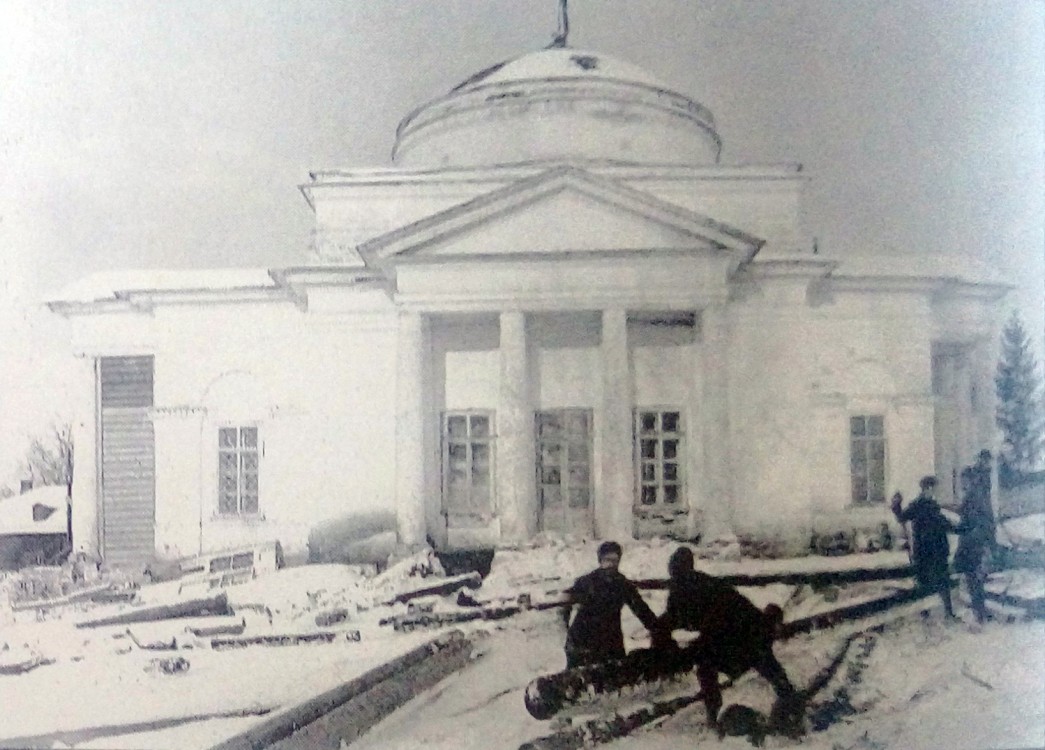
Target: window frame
{"x": 567, "y": 462}
{"x": 658, "y": 482}
{"x": 866, "y": 441}
{"x": 240, "y": 451}
{"x": 446, "y": 441}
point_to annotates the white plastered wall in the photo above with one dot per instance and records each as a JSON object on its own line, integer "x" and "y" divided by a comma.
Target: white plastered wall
{"x": 318, "y": 386}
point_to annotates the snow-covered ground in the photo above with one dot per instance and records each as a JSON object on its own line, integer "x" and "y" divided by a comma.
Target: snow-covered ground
{"x": 919, "y": 684}
{"x": 1026, "y": 531}
{"x": 101, "y": 690}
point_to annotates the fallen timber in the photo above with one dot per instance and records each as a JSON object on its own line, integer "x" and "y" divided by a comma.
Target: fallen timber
{"x": 408, "y": 622}
{"x": 342, "y": 714}
{"x": 607, "y": 728}
{"x": 25, "y": 665}
{"x": 603, "y": 730}
{"x": 414, "y": 620}
{"x": 445, "y": 587}
{"x": 285, "y": 639}
{"x": 215, "y": 605}
{"x": 1034, "y": 608}
{"x": 549, "y": 695}
{"x": 814, "y": 578}
{"x": 61, "y": 601}
{"x": 224, "y": 627}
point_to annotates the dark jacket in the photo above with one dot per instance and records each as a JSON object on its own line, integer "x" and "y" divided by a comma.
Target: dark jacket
{"x": 734, "y": 633}
{"x": 977, "y": 530}
{"x": 595, "y": 631}
{"x": 931, "y": 548}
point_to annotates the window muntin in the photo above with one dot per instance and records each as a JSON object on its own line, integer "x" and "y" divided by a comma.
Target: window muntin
{"x": 238, "y": 469}
{"x": 658, "y": 456}
{"x": 867, "y": 458}
{"x": 468, "y": 461}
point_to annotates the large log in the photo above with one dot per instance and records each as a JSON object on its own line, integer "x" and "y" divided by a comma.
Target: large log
{"x": 548, "y": 695}
{"x": 348, "y": 722}
{"x": 811, "y": 578}
{"x": 296, "y": 718}
{"x": 215, "y": 605}
{"x": 830, "y": 618}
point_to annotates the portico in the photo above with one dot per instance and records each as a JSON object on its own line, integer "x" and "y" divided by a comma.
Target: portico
{"x": 528, "y": 385}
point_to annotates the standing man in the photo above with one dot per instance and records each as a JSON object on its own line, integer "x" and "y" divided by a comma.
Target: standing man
{"x": 931, "y": 548}
{"x": 977, "y": 533}
{"x": 980, "y": 487}
{"x": 595, "y": 633}
{"x": 735, "y": 636}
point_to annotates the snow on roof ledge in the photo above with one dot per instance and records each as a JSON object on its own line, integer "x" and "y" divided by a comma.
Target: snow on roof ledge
{"x": 110, "y": 285}
{"x": 961, "y": 268}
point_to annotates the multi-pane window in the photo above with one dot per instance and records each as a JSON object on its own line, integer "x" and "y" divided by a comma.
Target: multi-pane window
{"x": 658, "y": 444}
{"x": 867, "y": 458}
{"x": 468, "y": 462}
{"x": 237, "y": 470}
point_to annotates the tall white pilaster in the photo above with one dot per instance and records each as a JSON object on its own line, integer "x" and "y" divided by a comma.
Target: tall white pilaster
{"x": 411, "y": 366}
{"x": 714, "y": 409}
{"x": 86, "y": 501}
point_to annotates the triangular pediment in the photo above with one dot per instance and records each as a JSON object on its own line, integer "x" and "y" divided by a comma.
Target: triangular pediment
{"x": 562, "y": 210}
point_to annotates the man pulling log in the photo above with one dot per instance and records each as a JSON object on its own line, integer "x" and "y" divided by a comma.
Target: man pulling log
{"x": 734, "y": 636}
{"x": 595, "y": 634}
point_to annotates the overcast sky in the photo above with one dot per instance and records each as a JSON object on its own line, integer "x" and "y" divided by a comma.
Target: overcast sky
{"x": 152, "y": 133}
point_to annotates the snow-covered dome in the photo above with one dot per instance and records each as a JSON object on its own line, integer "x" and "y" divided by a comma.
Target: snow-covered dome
{"x": 558, "y": 103}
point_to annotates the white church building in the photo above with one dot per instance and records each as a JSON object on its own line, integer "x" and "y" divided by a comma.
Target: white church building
{"x": 556, "y": 312}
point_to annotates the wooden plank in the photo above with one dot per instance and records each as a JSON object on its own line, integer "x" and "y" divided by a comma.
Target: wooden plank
{"x": 285, "y": 639}
{"x": 215, "y": 605}
{"x": 60, "y": 601}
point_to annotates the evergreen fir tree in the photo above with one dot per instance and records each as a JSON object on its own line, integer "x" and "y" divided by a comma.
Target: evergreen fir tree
{"x": 1020, "y": 410}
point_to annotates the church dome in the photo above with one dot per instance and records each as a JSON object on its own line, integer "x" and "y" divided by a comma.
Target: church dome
{"x": 558, "y": 103}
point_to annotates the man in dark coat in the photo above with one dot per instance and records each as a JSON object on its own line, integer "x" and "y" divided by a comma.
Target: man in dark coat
{"x": 595, "y": 633}
{"x": 734, "y": 634}
{"x": 931, "y": 548}
{"x": 980, "y": 487}
{"x": 977, "y": 533}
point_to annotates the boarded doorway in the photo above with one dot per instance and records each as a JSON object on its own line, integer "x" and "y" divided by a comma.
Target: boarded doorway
{"x": 127, "y": 475}
{"x": 564, "y": 490}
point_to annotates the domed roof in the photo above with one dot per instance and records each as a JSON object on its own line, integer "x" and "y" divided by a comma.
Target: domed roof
{"x": 558, "y": 104}
{"x": 561, "y": 62}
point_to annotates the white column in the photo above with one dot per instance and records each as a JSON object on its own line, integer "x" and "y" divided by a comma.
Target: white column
{"x": 86, "y": 502}
{"x": 516, "y": 489}
{"x": 411, "y": 361}
{"x": 714, "y": 408}
{"x": 617, "y": 462}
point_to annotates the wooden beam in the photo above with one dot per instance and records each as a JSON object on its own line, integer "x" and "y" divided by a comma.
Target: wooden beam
{"x": 215, "y": 605}
{"x": 290, "y": 720}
